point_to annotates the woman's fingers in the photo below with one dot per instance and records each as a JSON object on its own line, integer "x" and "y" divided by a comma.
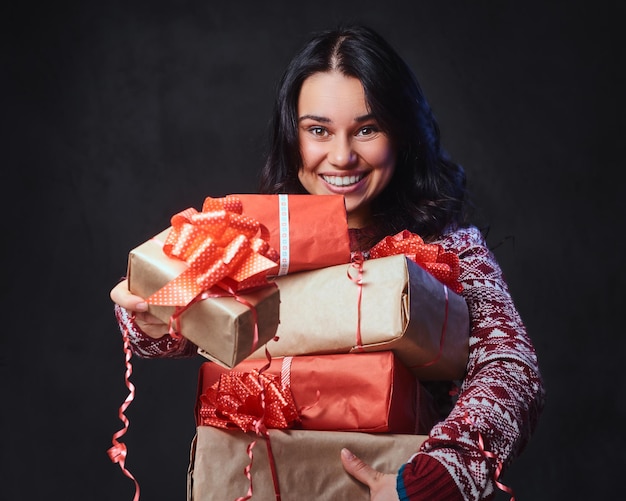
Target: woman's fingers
{"x": 151, "y": 325}
{"x": 147, "y": 322}
{"x": 122, "y": 296}
{"x": 382, "y": 485}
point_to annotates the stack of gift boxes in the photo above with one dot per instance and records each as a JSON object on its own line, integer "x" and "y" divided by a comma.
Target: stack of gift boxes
{"x": 311, "y": 348}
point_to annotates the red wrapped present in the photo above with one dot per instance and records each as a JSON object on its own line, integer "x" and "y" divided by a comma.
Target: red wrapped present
{"x": 367, "y": 392}
{"x": 309, "y": 231}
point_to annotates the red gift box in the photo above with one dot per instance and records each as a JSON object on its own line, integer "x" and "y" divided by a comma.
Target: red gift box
{"x": 367, "y": 392}
{"x": 309, "y": 231}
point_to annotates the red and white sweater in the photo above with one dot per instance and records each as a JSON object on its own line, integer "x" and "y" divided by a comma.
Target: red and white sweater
{"x": 499, "y": 401}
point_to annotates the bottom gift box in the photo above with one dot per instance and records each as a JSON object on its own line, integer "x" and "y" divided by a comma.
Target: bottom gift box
{"x": 307, "y": 463}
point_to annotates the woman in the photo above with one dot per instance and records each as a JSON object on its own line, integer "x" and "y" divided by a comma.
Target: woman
{"x": 350, "y": 118}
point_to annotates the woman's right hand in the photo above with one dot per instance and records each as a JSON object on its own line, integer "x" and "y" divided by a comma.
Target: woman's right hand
{"x": 147, "y": 322}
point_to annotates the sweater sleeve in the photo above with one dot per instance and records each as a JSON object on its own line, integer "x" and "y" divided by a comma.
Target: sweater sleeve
{"x": 501, "y": 395}
{"x": 145, "y": 346}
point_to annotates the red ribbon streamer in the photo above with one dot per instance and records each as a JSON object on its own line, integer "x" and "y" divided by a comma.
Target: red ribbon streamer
{"x": 118, "y": 452}
{"x": 443, "y": 265}
{"x": 490, "y": 455}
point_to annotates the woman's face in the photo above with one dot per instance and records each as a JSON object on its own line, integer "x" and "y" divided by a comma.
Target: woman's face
{"x": 343, "y": 148}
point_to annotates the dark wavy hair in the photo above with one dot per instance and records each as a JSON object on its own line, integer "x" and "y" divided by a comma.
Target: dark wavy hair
{"x": 427, "y": 192}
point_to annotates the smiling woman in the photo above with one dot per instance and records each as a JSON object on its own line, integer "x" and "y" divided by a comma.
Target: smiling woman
{"x": 344, "y": 151}
{"x": 350, "y": 118}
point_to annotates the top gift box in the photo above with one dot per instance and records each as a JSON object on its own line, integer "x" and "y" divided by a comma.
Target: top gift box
{"x": 207, "y": 274}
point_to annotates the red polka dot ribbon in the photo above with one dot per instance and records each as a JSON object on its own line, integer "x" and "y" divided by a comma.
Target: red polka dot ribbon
{"x": 250, "y": 401}
{"x": 443, "y": 265}
{"x": 220, "y": 244}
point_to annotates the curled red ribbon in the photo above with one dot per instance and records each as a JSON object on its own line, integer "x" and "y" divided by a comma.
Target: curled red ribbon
{"x": 118, "y": 451}
{"x": 219, "y": 244}
{"x": 443, "y": 265}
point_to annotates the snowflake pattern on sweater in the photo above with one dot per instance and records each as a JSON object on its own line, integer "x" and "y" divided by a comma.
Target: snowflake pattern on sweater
{"x": 502, "y": 393}
{"x": 500, "y": 398}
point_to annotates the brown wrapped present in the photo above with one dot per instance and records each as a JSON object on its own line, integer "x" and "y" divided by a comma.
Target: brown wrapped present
{"x": 402, "y": 308}
{"x": 308, "y": 463}
{"x": 223, "y": 327}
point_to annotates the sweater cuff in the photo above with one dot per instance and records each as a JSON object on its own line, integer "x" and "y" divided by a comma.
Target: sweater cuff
{"x": 426, "y": 479}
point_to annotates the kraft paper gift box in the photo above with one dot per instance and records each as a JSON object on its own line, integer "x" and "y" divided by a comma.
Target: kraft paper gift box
{"x": 308, "y": 464}
{"x": 367, "y": 392}
{"x": 403, "y": 308}
{"x": 222, "y": 327}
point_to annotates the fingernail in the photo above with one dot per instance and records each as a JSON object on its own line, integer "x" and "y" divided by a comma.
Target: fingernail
{"x": 143, "y": 306}
{"x": 347, "y": 454}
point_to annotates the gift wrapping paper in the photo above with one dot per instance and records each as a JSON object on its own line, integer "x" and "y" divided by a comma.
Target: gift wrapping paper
{"x": 401, "y": 307}
{"x": 307, "y": 462}
{"x": 309, "y": 231}
{"x": 368, "y": 392}
{"x": 222, "y": 327}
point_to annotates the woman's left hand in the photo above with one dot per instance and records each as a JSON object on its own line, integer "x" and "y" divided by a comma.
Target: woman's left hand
{"x": 382, "y": 485}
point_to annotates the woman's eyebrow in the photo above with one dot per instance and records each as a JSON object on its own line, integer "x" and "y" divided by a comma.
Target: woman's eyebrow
{"x": 365, "y": 118}
{"x": 360, "y": 119}
{"x": 315, "y": 117}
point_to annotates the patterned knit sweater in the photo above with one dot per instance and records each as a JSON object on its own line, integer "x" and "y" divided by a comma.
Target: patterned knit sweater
{"x": 497, "y": 405}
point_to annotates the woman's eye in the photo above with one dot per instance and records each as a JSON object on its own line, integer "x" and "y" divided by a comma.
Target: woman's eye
{"x": 318, "y": 131}
{"x": 367, "y": 130}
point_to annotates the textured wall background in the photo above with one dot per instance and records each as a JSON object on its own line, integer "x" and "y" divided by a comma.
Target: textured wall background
{"x": 115, "y": 115}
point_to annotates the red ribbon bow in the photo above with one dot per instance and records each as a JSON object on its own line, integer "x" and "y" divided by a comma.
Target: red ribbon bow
{"x": 250, "y": 401}
{"x": 219, "y": 244}
{"x": 443, "y": 265}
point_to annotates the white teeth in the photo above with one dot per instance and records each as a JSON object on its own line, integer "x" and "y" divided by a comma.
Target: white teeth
{"x": 343, "y": 180}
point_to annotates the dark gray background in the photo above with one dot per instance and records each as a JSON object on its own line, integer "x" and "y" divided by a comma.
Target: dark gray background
{"x": 115, "y": 115}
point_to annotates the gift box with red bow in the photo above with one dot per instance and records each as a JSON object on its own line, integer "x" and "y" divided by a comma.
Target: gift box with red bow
{"x": 227, "y": 327}
{"x": 300, "y": 464}
{"x": 387, "y": 303}
{"x": 207, "y": 275}
{"x": 367, "y": 392}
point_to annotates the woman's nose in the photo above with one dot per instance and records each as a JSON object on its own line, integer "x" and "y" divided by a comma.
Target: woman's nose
{"x": 341, "y": 153}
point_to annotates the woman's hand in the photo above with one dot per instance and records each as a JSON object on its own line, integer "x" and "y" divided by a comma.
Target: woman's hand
{"x": 147, "y": 322}
{"x": 382, "y": 485}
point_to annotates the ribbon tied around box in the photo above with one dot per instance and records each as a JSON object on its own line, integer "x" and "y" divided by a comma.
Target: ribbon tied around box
{"x": 441, "y": 264}
{"x": 222, "y": 246}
